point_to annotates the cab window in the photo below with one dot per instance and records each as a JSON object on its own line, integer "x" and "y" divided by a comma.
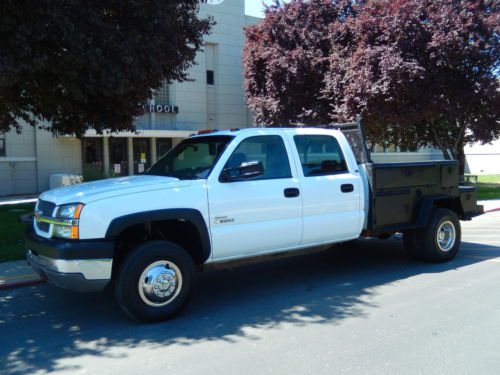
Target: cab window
{"x": 320, "y": 155}
{"x": 269, "y": 150}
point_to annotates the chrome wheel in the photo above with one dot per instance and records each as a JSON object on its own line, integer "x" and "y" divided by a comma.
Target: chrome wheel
{"x": 160, "y": 283}
{"x": 446, "y": 236}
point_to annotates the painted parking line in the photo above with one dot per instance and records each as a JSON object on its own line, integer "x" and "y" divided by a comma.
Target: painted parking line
{"x": 486, "y": 259}
{"x": 481, "y": 235}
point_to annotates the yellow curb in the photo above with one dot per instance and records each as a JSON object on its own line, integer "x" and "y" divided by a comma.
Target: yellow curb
{"x": 25, "y": 276}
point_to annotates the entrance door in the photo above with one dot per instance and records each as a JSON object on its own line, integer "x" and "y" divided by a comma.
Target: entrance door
{"x": 92, "y": 159}
{"x": 118, "y": 160}
{"x": 163, "y": 145}
{"x": 142, "y": 155}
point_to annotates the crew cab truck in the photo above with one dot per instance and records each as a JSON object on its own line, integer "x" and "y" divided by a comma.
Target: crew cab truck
{"x": 227, "y": 195}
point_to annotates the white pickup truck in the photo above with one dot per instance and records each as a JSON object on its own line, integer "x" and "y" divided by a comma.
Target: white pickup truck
{"x": 226, "y": 195}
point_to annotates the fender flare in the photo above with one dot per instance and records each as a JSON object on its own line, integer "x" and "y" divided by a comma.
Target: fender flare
{"x": 427, "y": 205}
{"x": 193, "y": 216}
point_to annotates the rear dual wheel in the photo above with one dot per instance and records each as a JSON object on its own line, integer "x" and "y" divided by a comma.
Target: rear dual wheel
{"x": 439, "y": 241}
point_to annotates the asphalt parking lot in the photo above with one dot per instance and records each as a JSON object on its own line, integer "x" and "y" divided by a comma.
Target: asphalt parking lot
{"x": 363, "y": 307}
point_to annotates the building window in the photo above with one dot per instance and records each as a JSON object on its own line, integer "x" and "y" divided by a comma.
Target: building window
{"x": 210, "y": 77}
{"x": 163, "y": 145}
{"x": 162, "y": 95}
{"x": 2, "y": 145}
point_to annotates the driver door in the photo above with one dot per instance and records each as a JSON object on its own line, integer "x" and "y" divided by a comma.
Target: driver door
{"x": 257, "y": 215}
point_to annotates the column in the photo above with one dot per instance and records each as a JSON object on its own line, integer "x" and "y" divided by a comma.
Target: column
{"x": 105, "y": 156}
{"x": 154, "y": 157}
{"x": 130, "y": 157}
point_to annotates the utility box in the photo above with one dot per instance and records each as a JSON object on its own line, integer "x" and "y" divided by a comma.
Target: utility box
{"x": 64, "y": 179}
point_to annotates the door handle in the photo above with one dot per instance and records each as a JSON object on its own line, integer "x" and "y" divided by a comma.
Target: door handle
{"x": 291, "y": 192}
{"x": 347, "y": 188}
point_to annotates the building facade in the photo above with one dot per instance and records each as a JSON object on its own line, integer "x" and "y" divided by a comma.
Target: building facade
{"x": 213, "y": 98}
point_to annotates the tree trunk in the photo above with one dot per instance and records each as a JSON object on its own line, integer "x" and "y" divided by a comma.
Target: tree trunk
{"x": 458, "y": 149}
{"x": 461, "y": 161}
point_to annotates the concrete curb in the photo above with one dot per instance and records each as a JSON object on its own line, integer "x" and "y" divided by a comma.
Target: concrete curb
{"x": 16, "y": 284}
{"x": 16, "y": 274}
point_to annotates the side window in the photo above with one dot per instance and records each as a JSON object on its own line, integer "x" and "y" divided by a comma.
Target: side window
{"x": 268, "y": 149}
{"x": 2, "y": 144}
{"x": 320, "y": 155}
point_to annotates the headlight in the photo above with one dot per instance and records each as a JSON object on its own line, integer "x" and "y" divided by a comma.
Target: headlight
{"x": 69, "y": 211}
{"x": 67, "y": 225}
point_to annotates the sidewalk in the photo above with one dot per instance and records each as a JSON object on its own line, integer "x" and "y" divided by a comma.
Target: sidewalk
{"x": 18, "y": 199}
{"x": 490, "y": 205}
{"x": 17, "y": 273}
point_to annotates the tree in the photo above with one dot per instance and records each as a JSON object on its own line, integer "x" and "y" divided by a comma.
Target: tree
{"x": 420, "y": 72}
{"x": 287, "y": 56}
{"x": 425, "y": 72}
{"x": 78, "y": 65}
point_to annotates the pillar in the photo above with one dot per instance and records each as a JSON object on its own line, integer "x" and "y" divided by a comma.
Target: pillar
{"x": 130, "y": 157}
{"x": 105, "y": 156}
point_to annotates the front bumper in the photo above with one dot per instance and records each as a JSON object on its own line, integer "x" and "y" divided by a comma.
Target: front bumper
{"x": 80, "y": 265}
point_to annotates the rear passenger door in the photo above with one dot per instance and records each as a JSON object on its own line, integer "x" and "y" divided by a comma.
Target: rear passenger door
{"x": 258, "y": 215}
{"x": 331, "y": 190}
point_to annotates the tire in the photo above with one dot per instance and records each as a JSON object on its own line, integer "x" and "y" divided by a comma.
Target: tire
{"x": 440, "y": 240}
{"x": 155, "y": 281}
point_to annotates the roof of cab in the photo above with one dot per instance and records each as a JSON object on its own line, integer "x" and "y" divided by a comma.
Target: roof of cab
{"x": 263, "y": 131}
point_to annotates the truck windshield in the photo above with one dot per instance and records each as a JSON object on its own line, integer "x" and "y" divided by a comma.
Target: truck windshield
{"x": 192, "y": 159}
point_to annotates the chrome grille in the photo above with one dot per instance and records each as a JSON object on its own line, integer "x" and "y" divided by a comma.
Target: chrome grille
{"x": 43, "y": 226}
{"x": 44, "y": 208}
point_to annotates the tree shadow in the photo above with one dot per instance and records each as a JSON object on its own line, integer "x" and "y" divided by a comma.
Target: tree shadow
{"x": 42, "y": 325}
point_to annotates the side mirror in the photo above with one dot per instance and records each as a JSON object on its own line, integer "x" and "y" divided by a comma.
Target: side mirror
{"x": 245, "y": 171}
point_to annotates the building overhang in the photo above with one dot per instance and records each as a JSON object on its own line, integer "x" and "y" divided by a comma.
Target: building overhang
{"x": 144, "y": 134}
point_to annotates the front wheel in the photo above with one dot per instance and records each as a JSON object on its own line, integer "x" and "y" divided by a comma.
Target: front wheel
{"x": 440, "y": 240}
{"x": 154, "y": 281}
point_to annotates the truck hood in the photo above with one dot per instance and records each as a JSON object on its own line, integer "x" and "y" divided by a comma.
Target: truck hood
{"x": 111, "y": 187}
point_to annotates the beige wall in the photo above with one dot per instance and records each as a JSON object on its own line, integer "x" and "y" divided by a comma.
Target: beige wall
{"x": 31, "y": 157}
{"x": 483, "y": 159}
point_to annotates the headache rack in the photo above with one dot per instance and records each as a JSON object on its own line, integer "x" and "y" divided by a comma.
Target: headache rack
{"x": 355, "y": 135}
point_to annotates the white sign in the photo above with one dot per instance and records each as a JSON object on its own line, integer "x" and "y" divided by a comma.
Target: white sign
{"x": 140, "y": 168}
{"x": 161, "y": 108}
{"x": 212, "y": 2}
{"x": 118, "y": 168}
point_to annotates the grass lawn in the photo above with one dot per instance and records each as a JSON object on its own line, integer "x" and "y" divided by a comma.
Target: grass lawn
{"x": 12, "y": 230}
{"x": 488, "y": 187}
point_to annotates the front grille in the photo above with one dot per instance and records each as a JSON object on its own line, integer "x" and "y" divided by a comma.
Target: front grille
{"x": 43, "y": 226}
{"x": 45, "y": 208}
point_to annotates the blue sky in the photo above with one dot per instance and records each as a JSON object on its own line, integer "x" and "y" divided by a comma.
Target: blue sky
{"x": 255, "y": 8}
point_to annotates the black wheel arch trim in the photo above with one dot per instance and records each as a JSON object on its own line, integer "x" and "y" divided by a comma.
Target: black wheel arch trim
{"x": 427, "y": 206}
{"x": 193, "y": 216}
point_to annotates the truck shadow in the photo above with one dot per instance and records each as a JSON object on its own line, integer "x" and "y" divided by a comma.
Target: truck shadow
{"x": 44, "y": 328}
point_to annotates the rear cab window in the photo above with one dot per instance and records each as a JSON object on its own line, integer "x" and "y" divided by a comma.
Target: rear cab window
{"x": 320, "y": 155}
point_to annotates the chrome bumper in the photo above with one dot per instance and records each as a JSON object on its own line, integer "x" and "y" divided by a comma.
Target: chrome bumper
{"x": 76, "y": 274}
